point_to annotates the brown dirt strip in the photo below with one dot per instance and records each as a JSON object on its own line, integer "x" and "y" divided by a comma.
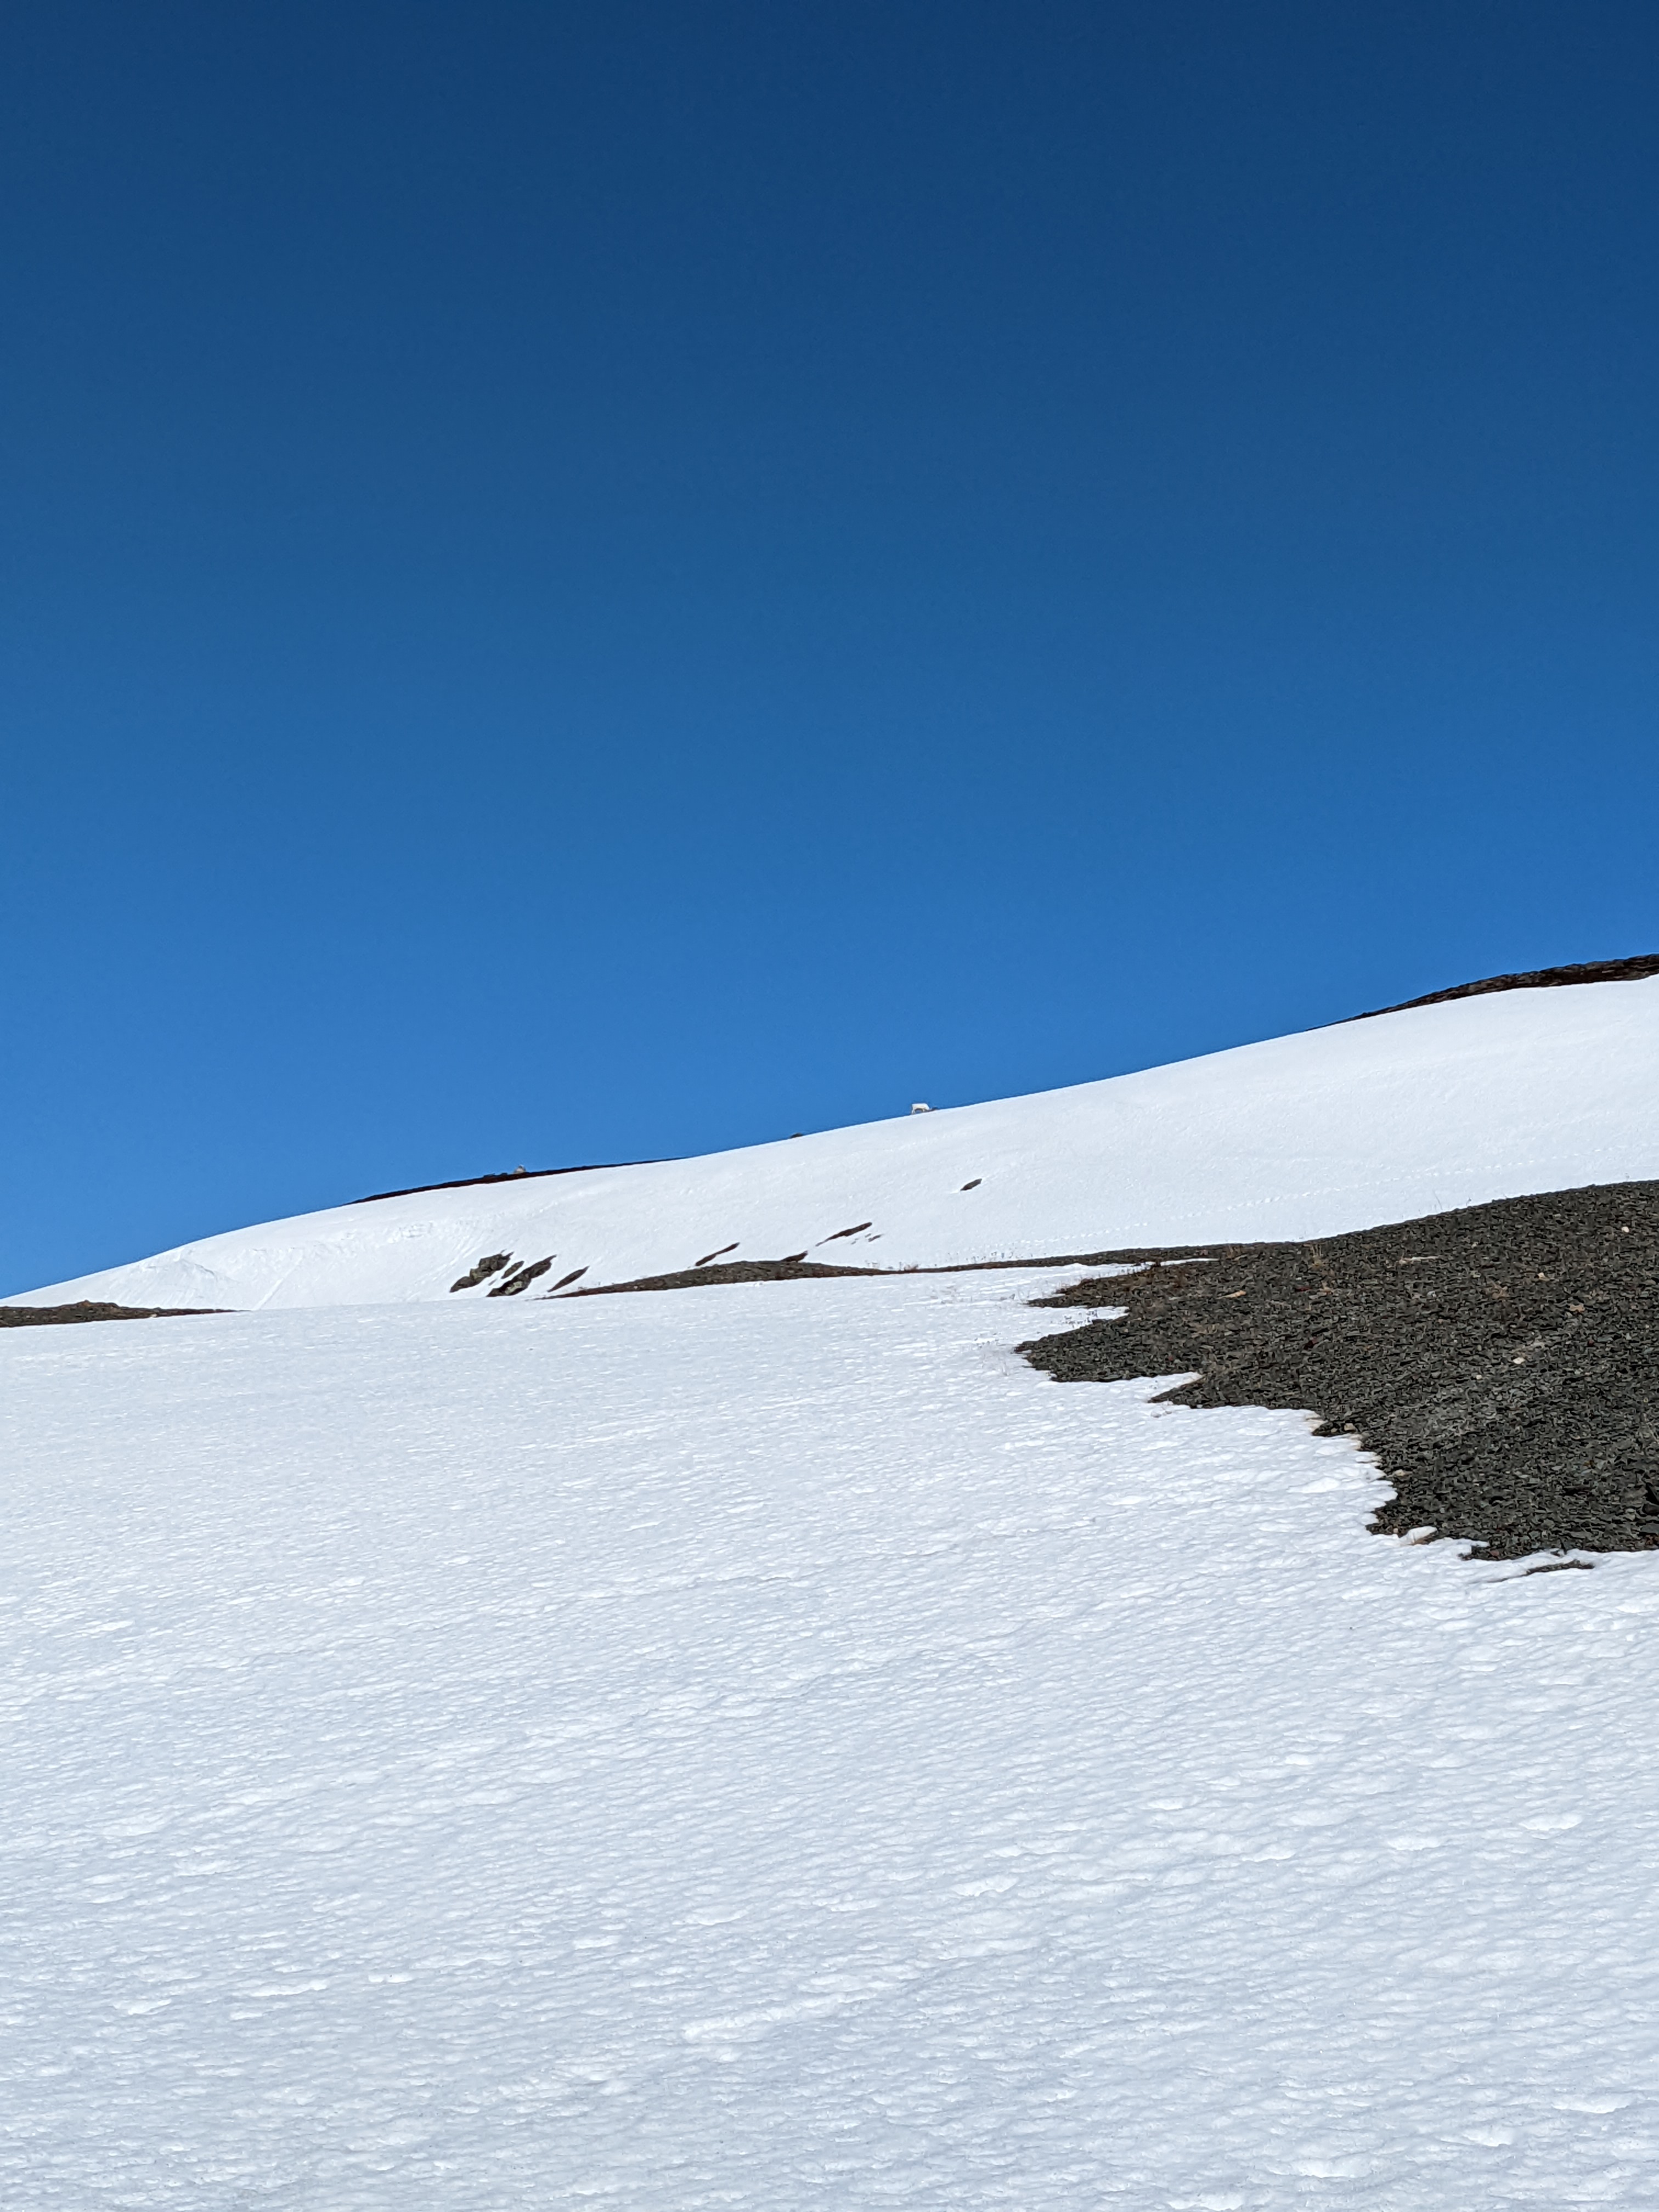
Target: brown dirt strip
{"x": 90, "y": 1310}
{"x": 1633, "y": 970}
{"x": 796, "y": 1271}
{"x": 507, "y": 1175}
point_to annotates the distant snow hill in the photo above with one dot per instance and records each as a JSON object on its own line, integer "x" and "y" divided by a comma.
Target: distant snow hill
{"x": 1410, "y": 1112}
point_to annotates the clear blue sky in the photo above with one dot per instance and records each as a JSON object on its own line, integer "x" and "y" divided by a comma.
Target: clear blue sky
{"x": 590, "y": 582}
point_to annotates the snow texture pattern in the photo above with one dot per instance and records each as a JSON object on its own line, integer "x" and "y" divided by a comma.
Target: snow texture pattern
{"x": 773, "y": 1749}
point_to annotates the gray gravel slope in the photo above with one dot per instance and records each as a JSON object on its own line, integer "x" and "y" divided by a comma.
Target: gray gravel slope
{"x": 1502, "y": 1361}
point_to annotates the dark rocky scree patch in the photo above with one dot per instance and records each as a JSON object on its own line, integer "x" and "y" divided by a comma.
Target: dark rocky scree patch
{"x": 1499, "y": 1360}
{"x": 490, "y": 1263}
{"x": 90, "y": 1310}
{"x": 1633, "y": 970}
{"x": 506, "y": 1174}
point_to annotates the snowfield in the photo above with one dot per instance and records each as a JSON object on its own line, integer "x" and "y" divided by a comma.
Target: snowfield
{"x": 1339, "y": 1128}
{"x": 769, "y": 1747}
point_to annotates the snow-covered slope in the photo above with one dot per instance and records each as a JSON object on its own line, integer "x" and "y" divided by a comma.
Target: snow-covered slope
{"x": 771, "y": 1749}
{"x": 1341, "y": 1129}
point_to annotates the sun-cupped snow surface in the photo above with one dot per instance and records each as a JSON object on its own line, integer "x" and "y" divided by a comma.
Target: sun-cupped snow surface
{"x": 769, "y": 1747}
{"x": 1306, "y": 1136}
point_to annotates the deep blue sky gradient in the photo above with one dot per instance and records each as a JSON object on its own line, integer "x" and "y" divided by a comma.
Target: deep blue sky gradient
{"x": 582, "y": 583}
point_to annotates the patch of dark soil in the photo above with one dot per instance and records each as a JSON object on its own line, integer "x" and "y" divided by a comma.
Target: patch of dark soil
{"x": 795, "y": 1265}
{"x": 491, "y": 1264}
{"x": 1633, "y": 970}
{"x": 734, "y": 1271}
{"x": 522, "y": 1277}
{"x": 1502, "y": 1361}
{"x": 507, "y": 1175}
{"x": 91, "y": 1309}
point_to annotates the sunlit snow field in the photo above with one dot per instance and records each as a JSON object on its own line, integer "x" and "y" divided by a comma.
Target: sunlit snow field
{"x": 769, "y": 1747}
